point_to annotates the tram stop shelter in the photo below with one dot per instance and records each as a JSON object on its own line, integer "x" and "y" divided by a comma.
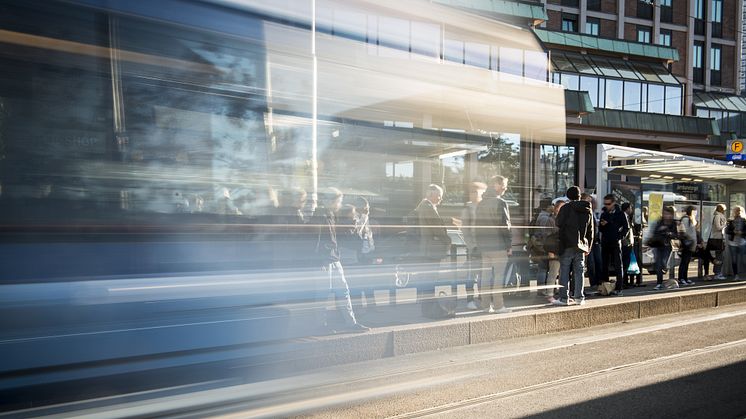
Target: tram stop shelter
{"x": 663, "y": 168}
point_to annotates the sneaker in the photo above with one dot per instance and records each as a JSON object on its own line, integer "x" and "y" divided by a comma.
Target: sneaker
{"x": 617, "y": 293}
{"x": 559, "y": 302}
{"x": 659, "y": 287}
{"x": 503, "y": 310}
{"x": 689, "y": 282}
{"x": 681, "y": 282}
{"x": 472, "y": 306}
{"x": 719, "y": 277}
{"x": 490, "y": 310}
{"x": 580, "y": 302}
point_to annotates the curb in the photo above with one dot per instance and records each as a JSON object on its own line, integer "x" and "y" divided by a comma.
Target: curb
{"x": 410, "y": 339}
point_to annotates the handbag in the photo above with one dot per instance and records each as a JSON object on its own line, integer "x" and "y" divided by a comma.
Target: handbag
{"x": 551, "y": 243}
{"x": 634, "y": 267}
{"x": 717, "y": 245}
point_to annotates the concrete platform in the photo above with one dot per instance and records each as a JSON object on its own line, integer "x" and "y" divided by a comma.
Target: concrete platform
{"x": 408, "y": 332}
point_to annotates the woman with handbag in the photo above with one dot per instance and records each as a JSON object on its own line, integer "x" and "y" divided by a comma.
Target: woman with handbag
{"x": 688, "y": 236}
{"x": 663, "y": 231}
{"x": 715, "y": 243}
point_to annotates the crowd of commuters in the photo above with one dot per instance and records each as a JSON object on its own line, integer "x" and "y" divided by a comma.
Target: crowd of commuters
{"x": 569, "y": 240}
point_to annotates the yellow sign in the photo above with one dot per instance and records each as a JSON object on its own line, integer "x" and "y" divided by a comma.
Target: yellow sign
{"x": 736, "y": 147}
{"x": 655, "y": 201}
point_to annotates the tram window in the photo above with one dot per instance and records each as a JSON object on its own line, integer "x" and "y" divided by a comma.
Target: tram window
{"x": 426, "y": 39}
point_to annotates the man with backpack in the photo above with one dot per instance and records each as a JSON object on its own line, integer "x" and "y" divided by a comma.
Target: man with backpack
{"x": 575, "y": 222}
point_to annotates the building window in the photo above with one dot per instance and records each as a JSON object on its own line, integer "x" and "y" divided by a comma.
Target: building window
{"x": 591, "y": 26}
{"x": 717, "y": 18}
{"x": 594, "y": 5}
{"x": 614, "y": 94}
{"x": 645, "y": 9}
{"x": 632, "y": 96}
{"x": 715, "y": 62}
{"x": 590, "y": 85}
{"x": 664, "y": 38}
{"x": 699, "y": 17}
{"x": 570, "y": 3}
{"x": 569, "y": 23}
{"x": 667, "y": 11}
{"x": 697, "y": 62}
{"x": 673, "y": 100}
{"x": 656, "y": 98}
{"x": 643, "y": 34}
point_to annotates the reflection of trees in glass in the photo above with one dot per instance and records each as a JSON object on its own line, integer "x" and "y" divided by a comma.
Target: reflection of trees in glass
{"x": 557, "y": 169}
{"x": 452, "y": 178}
{"x": 502, "y": 157}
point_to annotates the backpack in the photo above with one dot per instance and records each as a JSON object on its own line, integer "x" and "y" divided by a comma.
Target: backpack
{"x": 441, "y": 307}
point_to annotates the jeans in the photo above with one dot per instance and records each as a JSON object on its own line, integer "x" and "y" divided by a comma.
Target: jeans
{"x": 571, "y": 259}
{"x": 626, "y": 259}
{"x": 474, "y": 266}
{"x": 611, "y": 254}
{"x": 491, "y": 281}
{"x": 686, "y": 257}
{"x": 661, "y": 255}
{"x": 736, "y": 256}
{"x": 338, "y": 285}
{"x": 594, "y": 264}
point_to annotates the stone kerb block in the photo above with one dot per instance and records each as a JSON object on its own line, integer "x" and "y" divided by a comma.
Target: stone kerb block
{"x": 698, "y": 301}
{"x": 732, "y": 296}
{"x": 660, "y": 306}
{"x": 430, "y": 338}
{"x": 558, "y": 320}
{"x": 614, "y": 313}
{"x": 490, "y": 330}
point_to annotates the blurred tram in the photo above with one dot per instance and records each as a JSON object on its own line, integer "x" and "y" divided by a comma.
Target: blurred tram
{"x": 144, "y": 145}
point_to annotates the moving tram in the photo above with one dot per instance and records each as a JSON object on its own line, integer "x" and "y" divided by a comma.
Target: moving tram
{"x": 143, "y": 147}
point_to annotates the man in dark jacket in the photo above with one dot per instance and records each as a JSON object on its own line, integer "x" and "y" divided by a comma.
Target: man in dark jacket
{"x": 327, "y": 254}
{"x": 434, "y": 240}
{"x": 575, "y": 222}
{"x": 494, "y": 243}
{"x": 613, "y": 226}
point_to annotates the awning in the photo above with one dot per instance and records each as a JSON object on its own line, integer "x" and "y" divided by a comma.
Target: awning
{"x": 719, "y": 101}
{"x": 670, "y": 166}
{"x": 644, "y": 121}
{"x": 569, "y": 62}
{"x": 617, "y": 46}
{"x": 530, "y": 10}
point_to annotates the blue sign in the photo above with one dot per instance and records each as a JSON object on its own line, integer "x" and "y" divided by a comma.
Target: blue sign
{"x": 734, "y": 150}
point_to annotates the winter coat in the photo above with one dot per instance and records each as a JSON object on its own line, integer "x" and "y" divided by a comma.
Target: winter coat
{"x": 434, "y": 240}
{"x": 718, "y": 225}
{"x": 493, "y": 223}
{"x": 326, "y": 249}
{"x": 616, "y": 225}
{"x": 468, "y": 218}
{"x": 689, "y": 233}
{"x": 575, "y": 222}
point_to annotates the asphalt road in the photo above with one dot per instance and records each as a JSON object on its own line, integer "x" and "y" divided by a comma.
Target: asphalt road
{"x": 691, "y": 366}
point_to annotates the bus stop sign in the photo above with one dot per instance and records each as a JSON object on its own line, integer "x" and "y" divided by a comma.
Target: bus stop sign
{"x": 735, "y": 150}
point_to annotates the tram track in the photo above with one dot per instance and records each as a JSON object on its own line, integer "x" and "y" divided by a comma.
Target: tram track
{"x": 476, "y": 401}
